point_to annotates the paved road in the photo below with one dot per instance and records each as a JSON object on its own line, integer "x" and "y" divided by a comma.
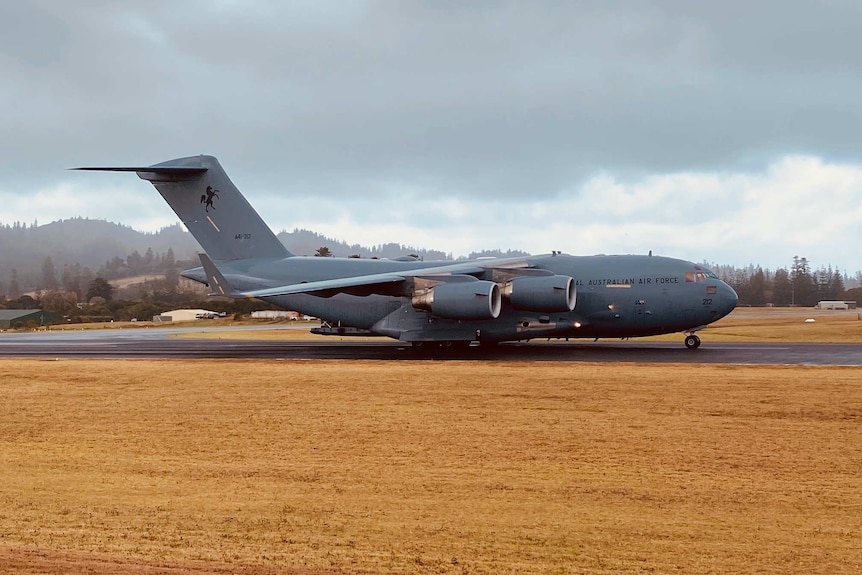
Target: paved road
{"x": 159, "y": 343}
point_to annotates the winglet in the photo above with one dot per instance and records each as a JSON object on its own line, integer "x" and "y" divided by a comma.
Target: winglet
{"x": 218, "y": 283}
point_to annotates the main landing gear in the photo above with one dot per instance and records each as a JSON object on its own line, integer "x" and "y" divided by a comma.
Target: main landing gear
{"x": 692, "y": 342}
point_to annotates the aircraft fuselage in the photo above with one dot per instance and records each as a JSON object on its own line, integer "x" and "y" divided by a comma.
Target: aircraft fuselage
{"x": 617, "y": 296}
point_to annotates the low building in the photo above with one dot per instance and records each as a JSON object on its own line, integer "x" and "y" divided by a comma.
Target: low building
{"x": 17, "y": 318}
{"x": 186, "y": 315}
{"x": 275, "y": 314}
{"x": 832, "y": 305}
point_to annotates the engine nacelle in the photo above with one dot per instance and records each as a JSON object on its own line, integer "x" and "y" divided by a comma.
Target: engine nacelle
{"x": 461, "y": 300}
{"x": 547, "y": 294}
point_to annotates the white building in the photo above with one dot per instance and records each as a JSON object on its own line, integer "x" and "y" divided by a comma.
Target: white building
{"x": 274, "y": 314}
{"x": 833, "y": 305}
{"x": 186, "y": 315}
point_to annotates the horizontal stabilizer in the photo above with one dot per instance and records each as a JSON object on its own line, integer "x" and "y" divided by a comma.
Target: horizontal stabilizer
{"x": 166, "y": 170}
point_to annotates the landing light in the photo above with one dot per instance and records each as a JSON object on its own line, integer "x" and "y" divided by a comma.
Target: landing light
{"x": 577, "y": 324}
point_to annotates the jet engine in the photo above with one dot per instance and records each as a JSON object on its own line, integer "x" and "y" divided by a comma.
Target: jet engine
{"x": 461, "y": 300}
{"x": 541, "y": 293}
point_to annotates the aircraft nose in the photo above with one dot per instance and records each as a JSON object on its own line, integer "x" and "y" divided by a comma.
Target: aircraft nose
{"x": 727, "y": 298}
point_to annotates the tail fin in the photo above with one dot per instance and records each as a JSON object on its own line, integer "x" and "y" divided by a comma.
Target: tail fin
{"x": 211, "y": 207}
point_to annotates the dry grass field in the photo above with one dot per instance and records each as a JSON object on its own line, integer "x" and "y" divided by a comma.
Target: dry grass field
{"x": 788, "y": 325}
{"x": 172, "y": 467}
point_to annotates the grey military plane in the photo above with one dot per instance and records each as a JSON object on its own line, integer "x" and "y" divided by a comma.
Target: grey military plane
{"x": 433, "y": 303}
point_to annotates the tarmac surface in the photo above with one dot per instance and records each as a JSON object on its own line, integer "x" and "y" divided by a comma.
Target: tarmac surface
{"x": 163, "y": 343}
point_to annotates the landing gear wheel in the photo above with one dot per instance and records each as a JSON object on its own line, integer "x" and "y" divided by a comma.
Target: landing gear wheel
{"x": 692, "y": 342}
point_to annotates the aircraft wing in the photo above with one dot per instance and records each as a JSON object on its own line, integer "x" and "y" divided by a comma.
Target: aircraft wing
{"x": 392, "y": 283}
{"x": 389, "y": 283}
{"x": 376, "y": 283}
{"x": 358, "y": 285}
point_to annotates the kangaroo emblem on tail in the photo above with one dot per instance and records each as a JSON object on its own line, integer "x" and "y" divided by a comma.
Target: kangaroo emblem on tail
{"x": 207, "y": 199}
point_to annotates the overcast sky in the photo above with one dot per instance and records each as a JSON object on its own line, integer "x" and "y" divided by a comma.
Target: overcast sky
{"x": 728, "y": 131}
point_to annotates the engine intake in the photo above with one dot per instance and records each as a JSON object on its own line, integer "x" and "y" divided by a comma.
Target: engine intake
{"x": 547, "y": 294}
{"x": 461, "y": 300}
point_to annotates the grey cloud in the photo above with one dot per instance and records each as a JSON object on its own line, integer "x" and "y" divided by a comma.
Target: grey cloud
{"x": 487, "y": 99}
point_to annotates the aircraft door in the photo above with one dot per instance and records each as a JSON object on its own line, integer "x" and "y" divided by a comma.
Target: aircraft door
{"x": 651, "y": 311}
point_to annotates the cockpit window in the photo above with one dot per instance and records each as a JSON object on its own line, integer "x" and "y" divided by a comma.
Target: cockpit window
{"x": 699, "y": 276}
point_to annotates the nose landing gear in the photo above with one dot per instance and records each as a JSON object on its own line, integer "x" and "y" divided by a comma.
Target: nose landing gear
{"x": 692, "y": 342}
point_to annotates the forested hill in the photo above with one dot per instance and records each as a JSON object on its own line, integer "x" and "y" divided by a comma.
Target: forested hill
{"x": 91, "y": 244}
{"x": 85, "y": 242}
{"x": 306, "y": 243}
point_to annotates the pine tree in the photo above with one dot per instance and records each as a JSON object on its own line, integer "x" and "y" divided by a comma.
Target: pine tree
{"x": 172, "y": 275}
{"x": 782, "y": 291}
{"x": 804, "y": 290}
{"x": 837, "y": 286}
{"x": 49, "y": 274}
{"x": 148, "y": 260}
{"x": 757, "y": 288}
{"x": 99, "y": 287}
{"x": 14, "y": 288}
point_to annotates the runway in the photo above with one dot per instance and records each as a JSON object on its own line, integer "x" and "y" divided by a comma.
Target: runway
{"x": 163, "y": 343}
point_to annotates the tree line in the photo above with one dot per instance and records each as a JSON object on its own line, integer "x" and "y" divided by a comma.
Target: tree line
{"x": 79, "y": 243}
{"x": 78, "y": 279}
{"x": 798, "y": 285}
{"x": 78, "y": 294}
